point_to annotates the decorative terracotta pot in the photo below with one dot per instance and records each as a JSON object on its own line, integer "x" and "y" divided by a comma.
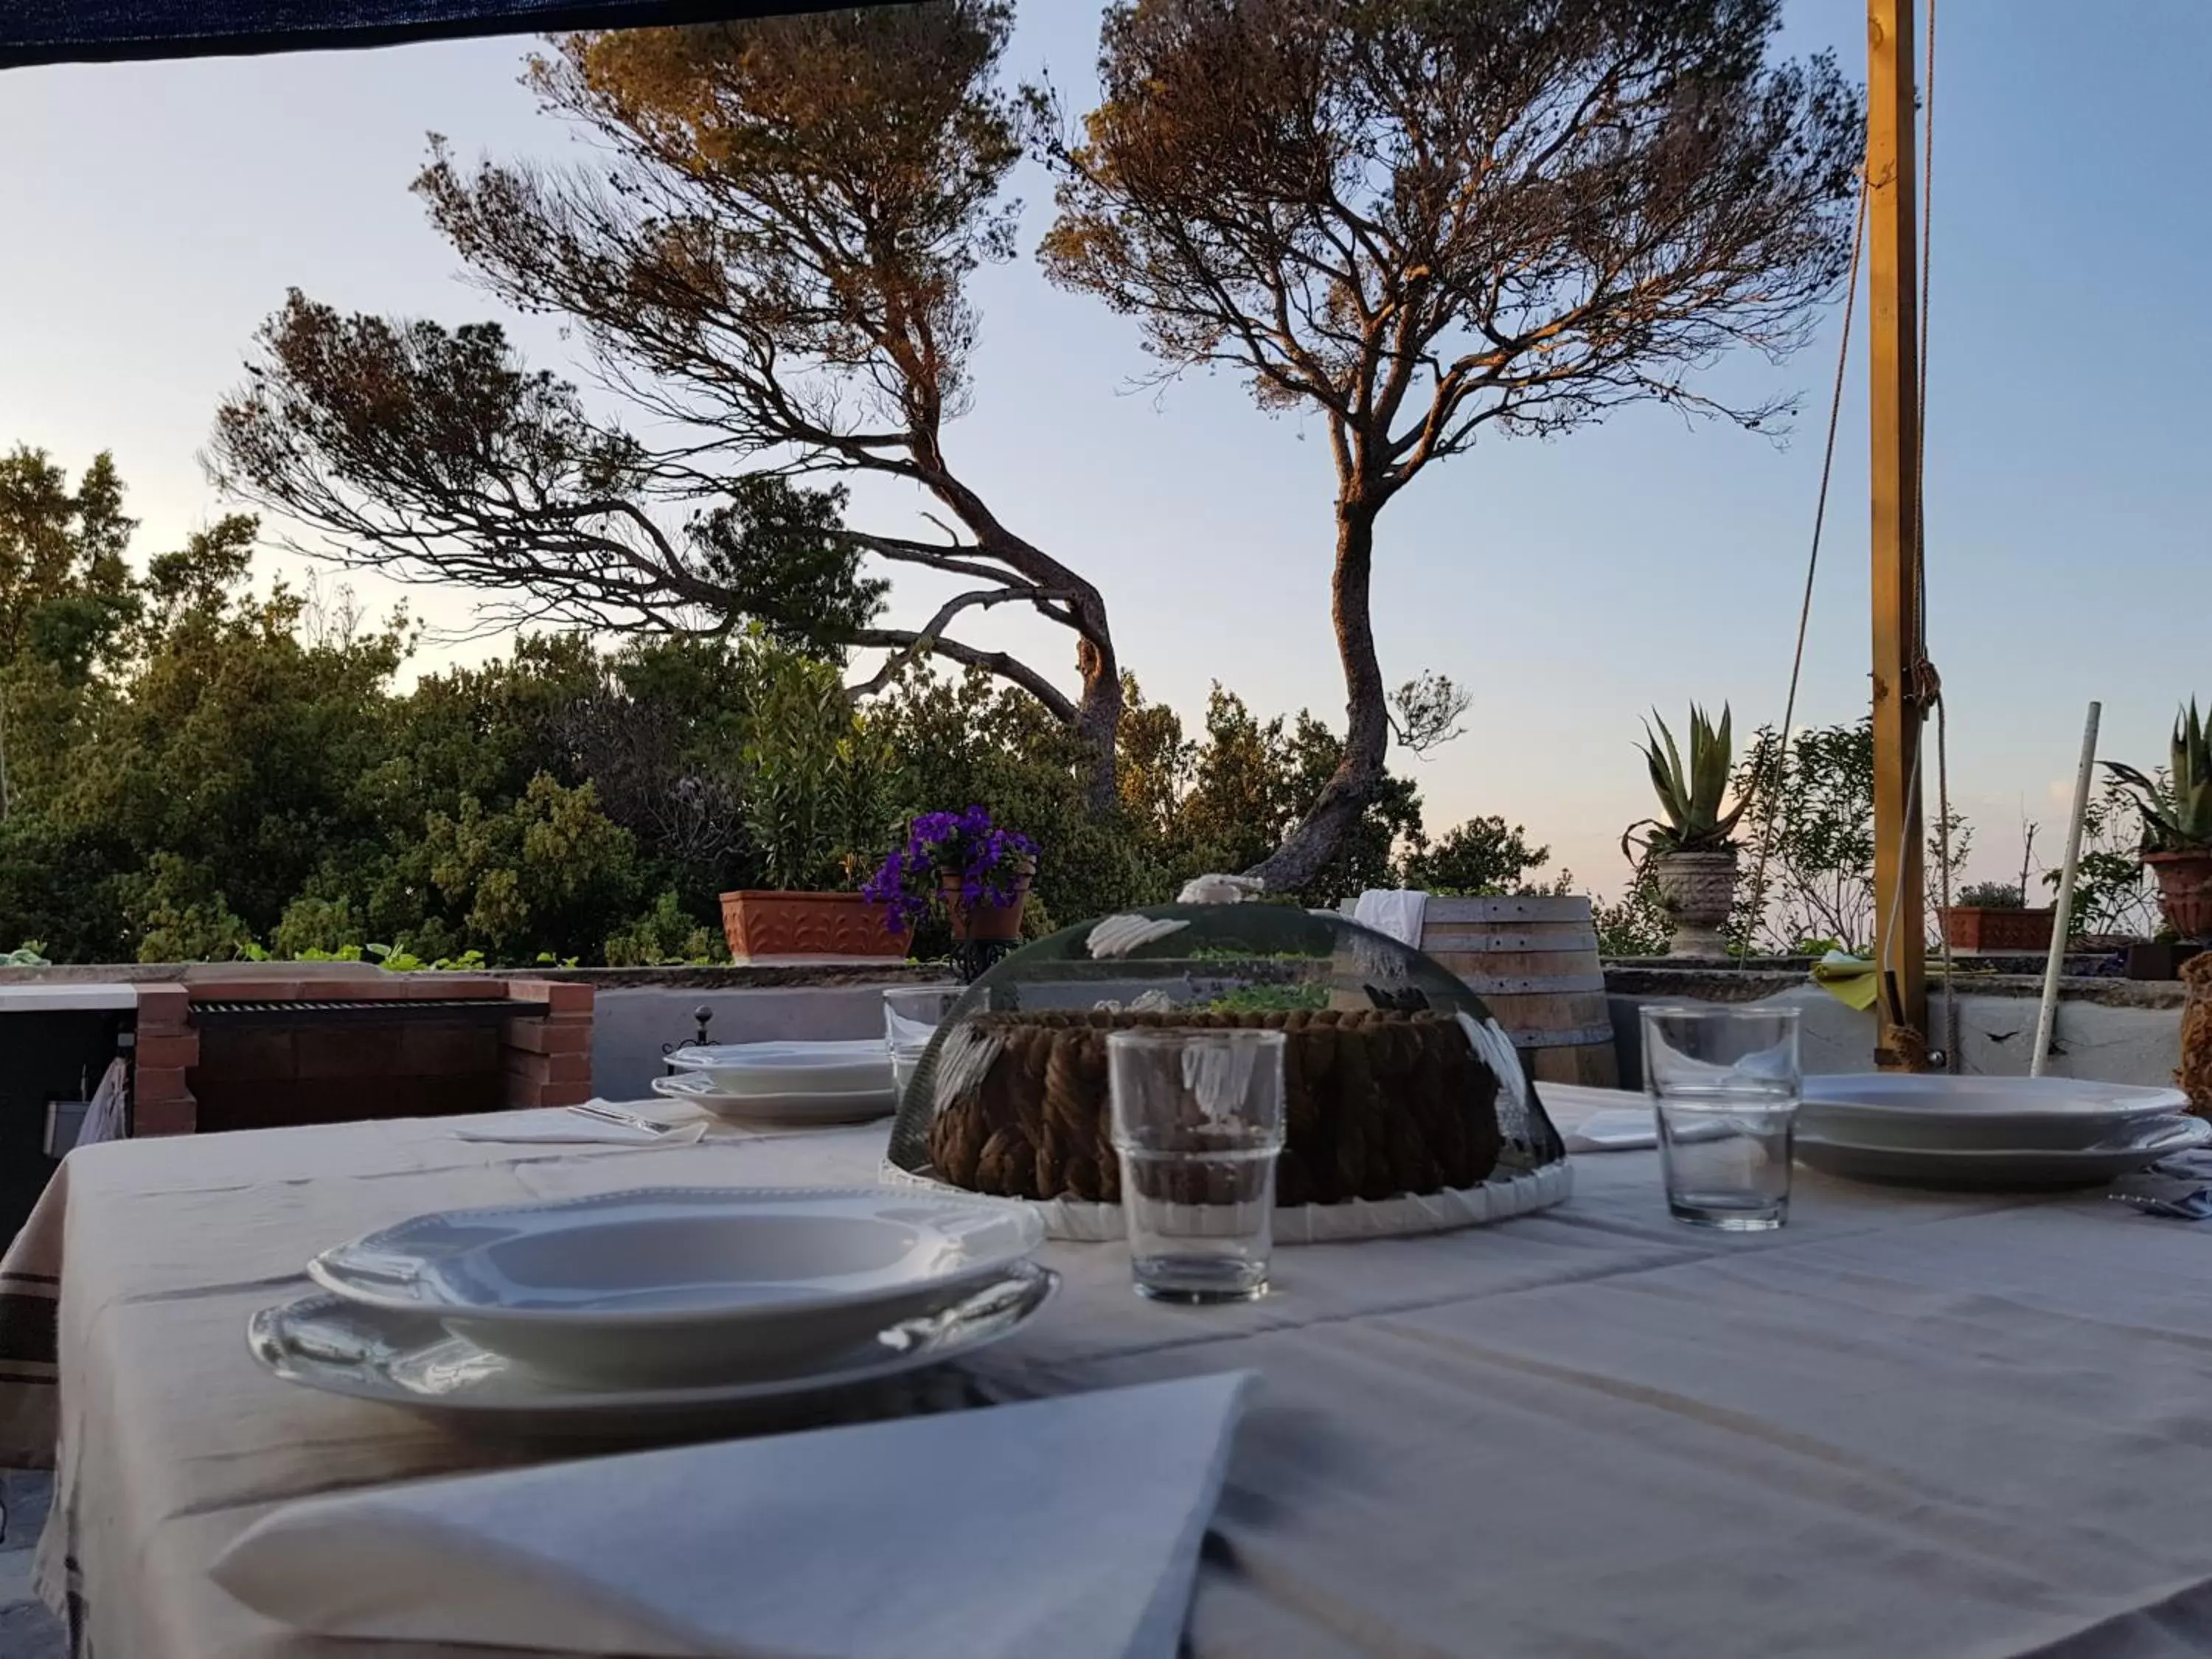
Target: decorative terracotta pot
{"x": 1696, "y": 891}
{"x": 766, "y": 925}
{"x": 1977, "y": 930}
{"x": 2185, "y": 889}
{"x": 990, "y": 923}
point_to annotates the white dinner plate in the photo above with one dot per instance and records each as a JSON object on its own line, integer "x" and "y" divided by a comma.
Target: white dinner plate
{"x": 1881, "y": 1109}
{"x": 685, "y": 1285}
{"x": 411, "y": 1361}
{"x": 859, "y": 1067}
{"x": 2019, "y": 1168}
{"x": 779, "y": 1111}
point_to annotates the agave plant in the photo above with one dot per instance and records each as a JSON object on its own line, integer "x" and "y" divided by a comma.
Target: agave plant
{"x": 2177, "y": 809}
{"x": 1690, "y": 796}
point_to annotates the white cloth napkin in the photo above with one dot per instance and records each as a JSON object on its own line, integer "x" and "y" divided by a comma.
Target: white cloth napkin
{"x": 1615, "y": 1129}
{"x": 559, "y": 1127}
{"x": 1627, "y": 1129}
{"x": 1066, "y": 1526}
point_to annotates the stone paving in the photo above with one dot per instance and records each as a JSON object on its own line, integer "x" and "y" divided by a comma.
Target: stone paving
{"x": 28, "y": 1631}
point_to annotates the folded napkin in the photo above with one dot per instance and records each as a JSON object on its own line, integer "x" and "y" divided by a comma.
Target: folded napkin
{"x": 1851, "y": 980}
{"x": 559, "y": 1127}
{"x": 2178, "y": 1187}
{"x": 1614, "y": 1130}
{"x": 1629, "y": 1128}
{"x": 1067, "y": 1527}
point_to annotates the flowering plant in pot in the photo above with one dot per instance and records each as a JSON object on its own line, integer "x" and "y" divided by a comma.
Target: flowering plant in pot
{"x": 2177, "y": 815}
{"x": 813, "y": 793}
{"x": 979, "y": 872}
{"x": 1993, "y": 915}
{"x": 1690, "y": 851}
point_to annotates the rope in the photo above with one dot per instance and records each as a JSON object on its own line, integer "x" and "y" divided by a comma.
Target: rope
{"x": 1920, "y": 560}
{"x": 1811, "y": 565}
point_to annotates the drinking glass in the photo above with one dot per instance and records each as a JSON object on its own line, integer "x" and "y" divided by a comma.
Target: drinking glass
{"x": 1197, "y": 1121}
{"x": 1724, "y": 1086}
{"x": 912, "y": 1014}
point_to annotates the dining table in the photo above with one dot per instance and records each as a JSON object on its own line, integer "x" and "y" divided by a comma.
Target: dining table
{"x": 1908, "y": 1423}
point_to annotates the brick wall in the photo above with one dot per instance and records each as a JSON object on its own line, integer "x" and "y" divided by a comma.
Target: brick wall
{"x": 161, "y": 1102}
{"x": 548, "y": 1056}
{"x": 250, "y": 1076}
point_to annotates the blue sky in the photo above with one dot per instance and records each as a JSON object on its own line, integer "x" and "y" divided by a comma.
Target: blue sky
{"x": 153, "y": 214}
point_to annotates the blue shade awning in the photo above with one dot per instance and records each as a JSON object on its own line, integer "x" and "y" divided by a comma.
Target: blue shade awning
{"x": 97, "y": 31}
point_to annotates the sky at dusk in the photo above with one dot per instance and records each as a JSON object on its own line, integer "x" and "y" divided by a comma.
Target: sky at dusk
{"x": 153, "y": 214}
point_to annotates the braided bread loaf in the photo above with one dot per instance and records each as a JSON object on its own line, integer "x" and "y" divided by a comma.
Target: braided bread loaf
{"x": 1377, "y": 1104}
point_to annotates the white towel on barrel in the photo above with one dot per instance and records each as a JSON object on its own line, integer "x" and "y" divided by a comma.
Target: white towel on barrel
{"x": 1397, "y": 911}
{"x": 1068, "y": 1527}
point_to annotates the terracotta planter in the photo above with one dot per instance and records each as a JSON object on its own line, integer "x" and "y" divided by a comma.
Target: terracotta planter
{"x": 2184, "y": 891}
{"x": 766, "y": 925}
{"x": 1976, "y": 930}
{"x": 989, "y": 923}
{"x": 1696, "y": 891}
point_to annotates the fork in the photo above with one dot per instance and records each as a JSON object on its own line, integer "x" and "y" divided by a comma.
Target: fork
{"x": 627, "y": 1120}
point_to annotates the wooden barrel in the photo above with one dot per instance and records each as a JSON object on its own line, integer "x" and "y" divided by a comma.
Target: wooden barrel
{"x": 1534, "y": 961}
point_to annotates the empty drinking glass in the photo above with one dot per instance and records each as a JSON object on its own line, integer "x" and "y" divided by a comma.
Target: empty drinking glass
{"x": 1197, "y": 1121}
{"x": 912, "y": 1014}
{"x": 1724, "y": 1086}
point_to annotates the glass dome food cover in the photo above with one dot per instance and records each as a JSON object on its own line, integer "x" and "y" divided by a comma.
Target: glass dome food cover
{"x": 1407, "y": 1106}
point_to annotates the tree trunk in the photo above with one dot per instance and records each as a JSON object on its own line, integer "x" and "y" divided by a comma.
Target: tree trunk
{"x": 1315, "y": 839}
{"x": 1098, "y": 715}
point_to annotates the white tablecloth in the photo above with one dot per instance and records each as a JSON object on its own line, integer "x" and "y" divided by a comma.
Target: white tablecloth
{"x": 1907, "y": 1425}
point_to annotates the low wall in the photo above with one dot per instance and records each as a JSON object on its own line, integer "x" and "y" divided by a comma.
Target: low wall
{"x": 2111, "y": 1030}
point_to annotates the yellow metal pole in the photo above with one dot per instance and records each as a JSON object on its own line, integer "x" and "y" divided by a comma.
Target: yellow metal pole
{"x": 1892, "y": 319}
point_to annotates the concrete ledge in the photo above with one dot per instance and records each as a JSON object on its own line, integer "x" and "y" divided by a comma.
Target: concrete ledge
{"x": 1719, "y": 982}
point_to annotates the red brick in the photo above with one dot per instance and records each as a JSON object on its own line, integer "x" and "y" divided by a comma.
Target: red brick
{"x": 230, "y": 1053}
{"x": 177, "y": 1116}
{"x": 549, "y": 1036}
{"x": 416, "y": 987}
{"x": 523, "y": 1095}
{"x": 164, "y": 1050}
{"x": 163, "y": 1004}
{"x": 244, "y": 989}
{"x": 344, "y": 1049}
{"x": 562, "y": 996}
{"x": 159, "y": 1083}
{"x": 437, "y": 1048}
{"x": 563, "y": 1094}
{"x": 550, "y": 1068}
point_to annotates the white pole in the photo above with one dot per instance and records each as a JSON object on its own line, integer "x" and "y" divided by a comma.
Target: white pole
{"x": 2046, "y": 1018}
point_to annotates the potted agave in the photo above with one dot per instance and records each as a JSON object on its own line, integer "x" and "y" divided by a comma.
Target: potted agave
{"x": 1689, "y": 851}
{"x": 2177, "y": 815}
{"x": 1993, "y": 916}
{"x": 977, "y": 872}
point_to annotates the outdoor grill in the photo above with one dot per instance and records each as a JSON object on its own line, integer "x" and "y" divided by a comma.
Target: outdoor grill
{"x": 296, "y": 1011}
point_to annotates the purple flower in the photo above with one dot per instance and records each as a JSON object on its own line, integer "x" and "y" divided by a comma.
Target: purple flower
{"x": 985, "y": 862}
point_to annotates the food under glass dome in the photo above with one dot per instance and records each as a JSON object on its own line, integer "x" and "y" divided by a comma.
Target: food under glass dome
{"x": 1399, "y": 1085}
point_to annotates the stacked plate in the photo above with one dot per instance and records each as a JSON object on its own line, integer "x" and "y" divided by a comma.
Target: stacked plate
{"x": 1988, "y": 1131}
{"x": 656, "y": 1311}
{"x": 785, "y": 1084}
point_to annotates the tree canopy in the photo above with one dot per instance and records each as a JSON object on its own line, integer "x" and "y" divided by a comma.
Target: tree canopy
{"x": 232, "y": 769}
{"x": 769, "y": 267}
{"x": 1423, "y": 221}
